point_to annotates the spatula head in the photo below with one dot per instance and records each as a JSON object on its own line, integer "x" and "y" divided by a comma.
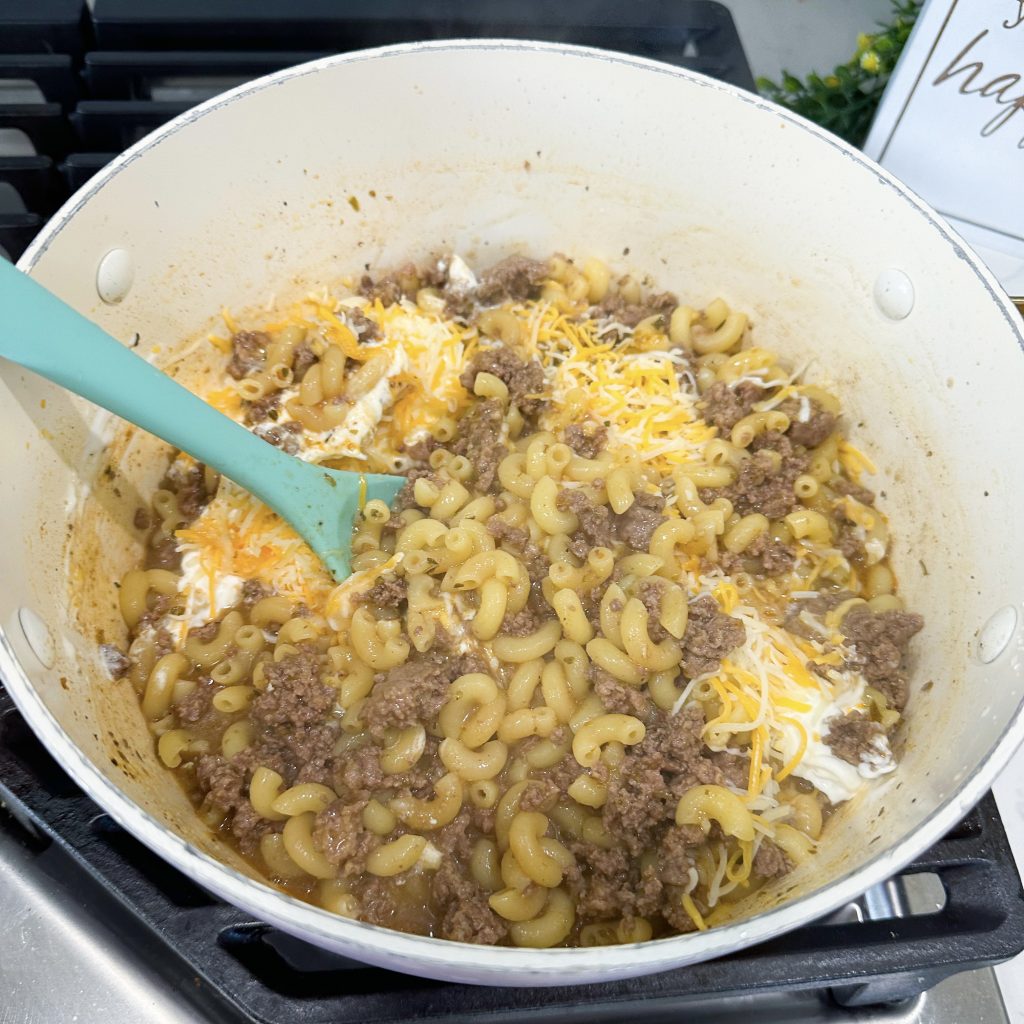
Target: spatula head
{"x": 323, "y": 505}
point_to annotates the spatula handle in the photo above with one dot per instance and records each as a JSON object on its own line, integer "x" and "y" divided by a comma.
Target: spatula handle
{"x": 45, "y": 335}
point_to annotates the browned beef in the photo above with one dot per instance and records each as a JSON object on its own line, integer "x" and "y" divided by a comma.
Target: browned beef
{"x": 604, "y": 883}
{"x": 587, "y": 440}
{"x": 649, "y": 592}
{"x": 819, "y": 424}
{"x": 479, "y": 440}
{"x": 676, "y": 854}
{"x": 735, "y": 769}
{"x": 674, "y": 913}
{"x": 770, "y": 861}
{"x": 644, "y": 790}
{"x": 725, "y": 406}
{"x": 389, "y": 288}
{"x": 115, "y": 661}
{"x": 596, "y": 528}
{"x": 196, "y": 705}
{"x": 843, "y": 486}
{"x": 776, "y": 558}
{"x": 340, "y": 835}
{"x": 514, "y": 536}
{"x": 609, "y": 885}
{"x": 365, "y": 328}
{"x": 514, "y": 279}
{"x": 619, "y": 699}
{"x": 638, "y": 802}
{"x": 539, "y": 795}
{"x": 225, "y": 785}
{"x": 466, "y": 915}
{"x": 310, "y": 751}
{"x": 533, "y": 557}
{"x": 204, "y": 633}
{"x": 302, "y": 360}
{"x": 880, "y": 642}
{"x": 524, "y": 379}
{"x": 295, "y": 698}
{"x": 156, "y": 609}
{"x": 630, "y": 314}
{"x": 254, "y": 591}
{"x": 710, "y": 636}
{"x": 281, "y": 435}
{"x": 190, "y": 489}
{"x": 406, "y": 497}
{"x": 142, "y": 519}
{"x": 414, "y": 691}
{"x": 358, "y": 770}
{"x": 419, "y": 451}
{"x": 163, "y": 554}
{"x": 637, "y": 524}
{"x": 521, "y": 623}
{"x": 377, "y": 903}
{"x": 766, "y": 556}
{"x": 850, "y": 540}
{"x": 388, "y": 592}
{"x": 248, "y": 351}
{"x": 262, "y": 408}
{"x": 852, "y": 736}
{"x": 675, "y": 744}
{"x": 762, "y": 488}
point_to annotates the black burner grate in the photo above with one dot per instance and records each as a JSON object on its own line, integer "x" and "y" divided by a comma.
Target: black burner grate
{"x": 261, "y": 974}
{"x": 105, "y": 77}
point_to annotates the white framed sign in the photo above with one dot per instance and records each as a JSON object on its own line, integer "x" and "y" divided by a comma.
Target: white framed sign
{"x": 951, "y": 124}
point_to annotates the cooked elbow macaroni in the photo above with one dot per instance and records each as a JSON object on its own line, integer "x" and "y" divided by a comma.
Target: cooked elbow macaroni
{"x": 602, "y": 670}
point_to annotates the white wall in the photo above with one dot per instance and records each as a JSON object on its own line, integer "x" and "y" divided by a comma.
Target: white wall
{"x": 803, "y": 35}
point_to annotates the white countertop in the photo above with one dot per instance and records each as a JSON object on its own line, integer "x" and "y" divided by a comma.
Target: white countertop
{"x": 1009, "y": 790}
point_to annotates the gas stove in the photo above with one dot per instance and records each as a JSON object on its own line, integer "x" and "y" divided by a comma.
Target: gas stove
{"x": 97, "y": 928}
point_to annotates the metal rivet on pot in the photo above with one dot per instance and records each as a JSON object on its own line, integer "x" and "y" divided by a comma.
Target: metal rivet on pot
{"x": 38, "y": 636}
{"x": 894, "y": 294}
{"x": 114, "y": 275}
{"x": 996, "y": 634}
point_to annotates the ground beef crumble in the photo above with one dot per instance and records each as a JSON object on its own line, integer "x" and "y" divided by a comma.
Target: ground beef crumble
{"x": 523, "y": 378}
{"x": 248, "y": 351}
{"x": 514, "y": 279}
{"x": 587, "y": 439}
{"x": 415, "y": 690}
{"x": 480, "y": 440}
{"x": 852, "y": 736}
{"x": 710, "y": 636}
{"x": 387, "y": 591}
{"x": 770, "y": 861}
{"x": 880, "y": 642}
{"x": 812, "y": 431}
{"x": 725, "y": 406}
{"x": 761, "y": 485}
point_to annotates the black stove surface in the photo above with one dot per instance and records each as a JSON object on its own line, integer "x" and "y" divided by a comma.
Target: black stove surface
{"x": 875, "y": 951}
{"x": 105, "y": 76}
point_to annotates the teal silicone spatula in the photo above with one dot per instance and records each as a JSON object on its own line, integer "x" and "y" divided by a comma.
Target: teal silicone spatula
{"x": 43, "y": 334}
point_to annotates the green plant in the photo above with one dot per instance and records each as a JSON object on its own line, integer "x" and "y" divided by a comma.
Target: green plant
{"x": 844, "y": 102}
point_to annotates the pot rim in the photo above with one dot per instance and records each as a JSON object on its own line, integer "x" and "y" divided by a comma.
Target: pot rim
{"x": 440, "y": 957}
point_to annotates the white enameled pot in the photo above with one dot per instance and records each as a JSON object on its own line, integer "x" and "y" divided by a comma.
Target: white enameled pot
{"x": 485, "y": 148}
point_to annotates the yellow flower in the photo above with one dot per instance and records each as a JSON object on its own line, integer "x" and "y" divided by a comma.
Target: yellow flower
{"x": 832, "y": 82}
{"x": 870, "y": 62}
{"x": 864, "y": 42}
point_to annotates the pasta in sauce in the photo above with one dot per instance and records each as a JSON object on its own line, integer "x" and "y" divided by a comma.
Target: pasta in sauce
{"x": 628, "y": 635}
